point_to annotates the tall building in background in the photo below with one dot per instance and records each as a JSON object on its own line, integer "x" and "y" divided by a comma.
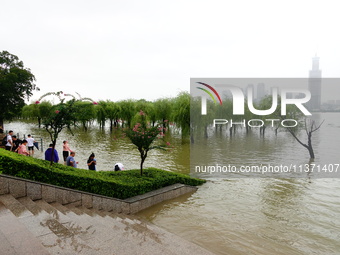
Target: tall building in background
{"x": 314, "y": 86}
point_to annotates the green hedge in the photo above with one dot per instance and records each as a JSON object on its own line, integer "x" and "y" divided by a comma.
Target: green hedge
{"x": 123, "y": 184}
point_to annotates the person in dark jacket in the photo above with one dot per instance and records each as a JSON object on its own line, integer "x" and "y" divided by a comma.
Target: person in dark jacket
{"x": 48, "y": 154}
{"x": 91, "y": 162}
{"x": 16, "y": 142}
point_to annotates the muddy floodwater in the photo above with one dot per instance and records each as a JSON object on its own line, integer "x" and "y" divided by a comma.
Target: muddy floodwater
{"x": 240, "y": 213}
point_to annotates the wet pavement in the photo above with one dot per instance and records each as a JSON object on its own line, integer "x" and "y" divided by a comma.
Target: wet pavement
{"x": 37, "y": 227}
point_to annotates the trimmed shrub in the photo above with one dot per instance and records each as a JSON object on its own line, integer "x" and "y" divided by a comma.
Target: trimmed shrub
{"x": 121, "y": 184}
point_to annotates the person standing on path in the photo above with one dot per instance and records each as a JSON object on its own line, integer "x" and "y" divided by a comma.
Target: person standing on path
{"x": 22, "y": 148}
{"x": 66, "y": 150}
{"x": 49, "y": 152}
{"x": 9, "y": 144}
{"x": 70, "y": 161}
{"x": 30, "y": 144}
{"x": 91, "y": 162}
{"x": 16, "y": 143}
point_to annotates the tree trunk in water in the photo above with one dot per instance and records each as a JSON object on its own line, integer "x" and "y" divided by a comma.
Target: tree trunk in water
{"x": 84, "y": 126}
{"x": 310, "y": 147}
{"x": 111, "y": 125}
{"x": 262, "y": 130}
{"x": 206, "y": 131}
{"x": 311, "y": 152}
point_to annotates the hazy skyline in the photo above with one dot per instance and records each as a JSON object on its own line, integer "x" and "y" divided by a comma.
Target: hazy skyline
{"x": 150, "y": 49}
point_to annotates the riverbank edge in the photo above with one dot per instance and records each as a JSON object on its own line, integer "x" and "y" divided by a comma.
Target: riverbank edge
{"x": 19, "y": 187}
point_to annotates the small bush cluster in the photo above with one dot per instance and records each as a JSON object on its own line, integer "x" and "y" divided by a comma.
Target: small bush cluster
{"x": 121, "y": 185}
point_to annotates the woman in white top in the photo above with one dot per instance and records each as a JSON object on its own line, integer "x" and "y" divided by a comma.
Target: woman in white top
{"x": 30, "y": 144}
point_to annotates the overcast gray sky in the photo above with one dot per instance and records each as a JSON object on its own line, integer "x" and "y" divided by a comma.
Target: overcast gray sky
{"x": 149, "y": 49}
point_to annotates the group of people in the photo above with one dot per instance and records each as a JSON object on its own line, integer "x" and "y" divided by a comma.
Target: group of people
{"x": 69, "y": 159}
{"x": 15, "y": 144}
{"x": 68, "y": 156}
{"x": 20, "y": 146}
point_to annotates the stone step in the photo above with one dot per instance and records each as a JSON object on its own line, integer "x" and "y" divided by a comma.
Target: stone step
{"x": 64, "y": 236}
{"x": 119, "y": 220}
{"x": 101, "y": 231}
{"x": 18, "y": 209}
{"x": 135, "y": 236}
{"x": 71, "y": 230}
{"x": 15, "y": 238}
{"x": 123, "y": 236}
{"x": 101, "y": 218}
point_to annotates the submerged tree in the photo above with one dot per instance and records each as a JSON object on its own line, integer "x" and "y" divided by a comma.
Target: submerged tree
{"x": 310, "y": 127}
{"x": 37, "y": 111}
{"x": 85, "y": 113}
{"x": 181, "y": 113}
{"x": 128, "y": 111}
{"x": 163, "y": 109}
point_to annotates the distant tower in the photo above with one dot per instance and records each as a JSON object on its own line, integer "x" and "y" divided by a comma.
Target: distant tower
{"x": 314, "y": 86}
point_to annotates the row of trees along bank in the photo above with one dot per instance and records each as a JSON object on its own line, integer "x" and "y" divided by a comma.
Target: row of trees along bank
{"x": 122, "y": 113}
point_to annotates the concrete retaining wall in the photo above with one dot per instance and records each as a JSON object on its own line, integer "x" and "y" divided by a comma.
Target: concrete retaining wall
{"x": 18, "y": 187}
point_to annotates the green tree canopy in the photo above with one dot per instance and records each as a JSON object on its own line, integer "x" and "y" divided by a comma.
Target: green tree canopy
{"x": 16, "y": 84}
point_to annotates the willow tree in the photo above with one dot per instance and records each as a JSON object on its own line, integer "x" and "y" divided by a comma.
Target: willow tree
{"x": 151, "y": 112}
{"x": 37, "y": 111}
{"x": 113, "y": 111}
{"x": 84, "y": 112}
{"x": 181, "y": 113}
{"x": 164, "y": 110}
{"x": 128, "y": 111}
{"x": 101, "y": 114}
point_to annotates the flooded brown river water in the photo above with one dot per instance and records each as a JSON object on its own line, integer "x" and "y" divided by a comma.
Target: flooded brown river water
{"x": 236, "y": 214}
